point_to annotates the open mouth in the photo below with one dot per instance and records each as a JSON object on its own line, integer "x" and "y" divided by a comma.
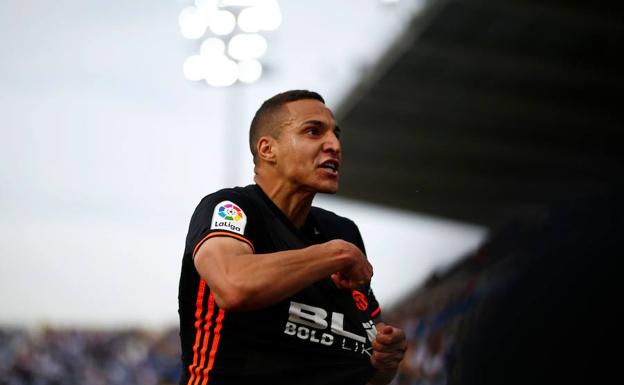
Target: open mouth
{"x": 331, "y": 166}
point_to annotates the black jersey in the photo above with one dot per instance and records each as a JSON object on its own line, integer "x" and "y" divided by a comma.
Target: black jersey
{"x": 320, "y": 335}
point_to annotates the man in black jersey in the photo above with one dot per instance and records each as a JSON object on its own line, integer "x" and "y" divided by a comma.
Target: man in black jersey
{"x": 273, "y": 290}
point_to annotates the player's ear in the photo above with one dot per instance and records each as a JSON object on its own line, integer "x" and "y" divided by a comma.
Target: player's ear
{"x": 266, "y": 148}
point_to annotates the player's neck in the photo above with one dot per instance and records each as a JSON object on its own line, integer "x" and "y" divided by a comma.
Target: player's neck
{"x": 293, "y": 202}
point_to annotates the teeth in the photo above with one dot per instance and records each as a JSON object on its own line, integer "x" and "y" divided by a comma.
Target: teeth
{"x": 330, "y": 165}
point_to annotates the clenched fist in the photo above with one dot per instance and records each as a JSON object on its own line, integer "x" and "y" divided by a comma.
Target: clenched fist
{"x": 388, "y": 350}
{"x": 358, "y": 272}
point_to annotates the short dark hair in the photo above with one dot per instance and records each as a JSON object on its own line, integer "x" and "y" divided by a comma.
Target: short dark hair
{"x": 263, "y": 121}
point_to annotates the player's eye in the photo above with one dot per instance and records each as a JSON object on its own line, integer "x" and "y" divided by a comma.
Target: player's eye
{"x": 313, "y": 131}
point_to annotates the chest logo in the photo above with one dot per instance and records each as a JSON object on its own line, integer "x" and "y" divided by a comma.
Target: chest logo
{"x": 317, "y": 325}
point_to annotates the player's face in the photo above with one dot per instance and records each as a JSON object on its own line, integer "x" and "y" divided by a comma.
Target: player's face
{"x": 308, "y": 147}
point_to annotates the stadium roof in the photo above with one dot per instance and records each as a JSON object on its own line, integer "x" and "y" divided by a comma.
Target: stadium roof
{"x": 487, "y": 110}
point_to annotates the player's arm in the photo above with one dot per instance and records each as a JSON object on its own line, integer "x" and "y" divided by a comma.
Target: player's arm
{"x": 242, "y": 280}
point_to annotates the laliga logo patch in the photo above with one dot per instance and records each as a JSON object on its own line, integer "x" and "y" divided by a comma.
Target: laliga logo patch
{"x": 360, "y": 300}
{"x": 228, "y": 216}
{"x": 230, "y": 211}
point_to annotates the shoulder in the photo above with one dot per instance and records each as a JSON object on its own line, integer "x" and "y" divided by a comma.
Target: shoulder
{"x": 235, "y": 196}
{"x": 224, "y": 211}
{"x": 226, "y": 204}
{"x": 240, "y": 193}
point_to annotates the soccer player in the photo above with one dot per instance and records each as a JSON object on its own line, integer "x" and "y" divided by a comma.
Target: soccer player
{"x": 273, "y": 290}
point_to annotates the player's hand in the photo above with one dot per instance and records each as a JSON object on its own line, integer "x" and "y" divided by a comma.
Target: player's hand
{"x": 388, "y": 348}
{"x": 358, "y": 273}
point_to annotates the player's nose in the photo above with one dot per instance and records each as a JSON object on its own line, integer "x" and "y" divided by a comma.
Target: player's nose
{"x": 332, "y": 143}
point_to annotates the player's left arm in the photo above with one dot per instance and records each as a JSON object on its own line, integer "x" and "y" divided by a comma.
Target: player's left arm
{"x": 389, "y": 348}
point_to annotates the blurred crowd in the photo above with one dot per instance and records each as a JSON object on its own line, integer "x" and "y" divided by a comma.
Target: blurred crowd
{"x": 64, "y": 357}
{"x": 433, "y": 321}
{"x": 525, "y": 308}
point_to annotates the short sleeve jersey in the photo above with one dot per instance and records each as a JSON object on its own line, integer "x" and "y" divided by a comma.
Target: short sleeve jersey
{"x": 320, "y": 335}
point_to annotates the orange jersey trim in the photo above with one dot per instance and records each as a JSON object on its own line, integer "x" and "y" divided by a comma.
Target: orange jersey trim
{"x": 198, "y": 319}
{"x": 215, "y": 346}
{"x": 221, "y": 234}
{"x": 200, "y": 372}
{"x": 202, "y": 353}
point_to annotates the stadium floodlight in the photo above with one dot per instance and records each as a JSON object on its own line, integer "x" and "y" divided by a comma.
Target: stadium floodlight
{"x": 185, "y": 14}
{"x": 269, "y": 15}
{"x": 245, "y": 46}
{"x": 266, "y": 17}
{"x": 240, "y": 3}
{"x": 222, "y": 23}
{"x": 195, "y": 67}
{"x": 249, "y": 19}
{"x": 249, "y": 71}
{"x": 211, "y": 47}
{"x": 220, "y": 65}
{"x": 192, "y": 23}
{"x": 221, "y": 72}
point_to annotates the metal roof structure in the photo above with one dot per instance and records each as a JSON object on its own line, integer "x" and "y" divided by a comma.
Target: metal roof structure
{"x": 488, "y": 110}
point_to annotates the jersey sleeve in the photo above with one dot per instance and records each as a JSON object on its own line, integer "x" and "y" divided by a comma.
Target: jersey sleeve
{"x": 373, "y": 308}
{"x": 222, "y": 214}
